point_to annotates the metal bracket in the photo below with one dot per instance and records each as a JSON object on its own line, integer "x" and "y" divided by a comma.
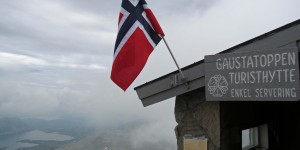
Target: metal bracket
{"x": 174, "y": 80}
{"x": 177, "y": 80}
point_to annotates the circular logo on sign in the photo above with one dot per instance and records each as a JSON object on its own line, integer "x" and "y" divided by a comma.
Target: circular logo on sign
{"x": 217, "y": 86}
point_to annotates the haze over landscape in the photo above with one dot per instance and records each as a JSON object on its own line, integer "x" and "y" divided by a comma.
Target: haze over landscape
{"x": 55, "y": 63}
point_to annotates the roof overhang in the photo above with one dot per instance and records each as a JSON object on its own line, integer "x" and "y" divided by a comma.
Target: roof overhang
{"x": 171, "y": 85}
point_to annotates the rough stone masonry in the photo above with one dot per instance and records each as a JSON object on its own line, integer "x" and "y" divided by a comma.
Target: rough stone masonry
{"x": 196, "y": 117}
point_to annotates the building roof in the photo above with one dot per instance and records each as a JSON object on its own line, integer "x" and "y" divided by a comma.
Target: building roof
{"x": 171, "y": 85}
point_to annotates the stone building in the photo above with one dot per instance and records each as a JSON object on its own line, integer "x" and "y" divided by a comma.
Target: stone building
{"x": 262, "y": 114}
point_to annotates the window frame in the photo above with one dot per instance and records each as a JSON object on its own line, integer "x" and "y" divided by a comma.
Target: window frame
{"x": 253, "y": 137}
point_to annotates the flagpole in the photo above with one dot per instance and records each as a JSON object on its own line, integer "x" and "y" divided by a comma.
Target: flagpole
{"x": 179, "y": 69}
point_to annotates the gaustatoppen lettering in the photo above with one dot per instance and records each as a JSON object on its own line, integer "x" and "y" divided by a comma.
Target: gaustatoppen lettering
{"x": 256, "y": 61}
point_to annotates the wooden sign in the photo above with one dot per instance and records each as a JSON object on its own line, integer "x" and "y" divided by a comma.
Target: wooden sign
{"x": 270, "y": 75}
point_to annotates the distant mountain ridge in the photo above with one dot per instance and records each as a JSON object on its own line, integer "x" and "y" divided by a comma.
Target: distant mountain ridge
{"x": 12, "y": 126}
{"x": 35, "y": 130}
{"x": 72, "y": 127}
{"x": 118, "y": 138}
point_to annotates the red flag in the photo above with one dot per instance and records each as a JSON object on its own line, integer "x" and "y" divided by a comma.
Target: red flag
{"x": 137, "y": 37}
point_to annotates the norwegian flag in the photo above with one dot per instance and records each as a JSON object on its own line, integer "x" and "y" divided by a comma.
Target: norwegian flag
{"x": 139, "y": 33}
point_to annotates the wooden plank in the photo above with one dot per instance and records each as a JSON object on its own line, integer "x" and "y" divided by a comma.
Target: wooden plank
{"x": 195, "y": 144}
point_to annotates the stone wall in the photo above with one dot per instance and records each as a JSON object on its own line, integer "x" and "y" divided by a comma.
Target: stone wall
{"x": 196, "y": 117}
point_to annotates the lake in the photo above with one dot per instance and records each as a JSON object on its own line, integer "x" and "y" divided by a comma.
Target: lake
{"x": 11, "y": 142}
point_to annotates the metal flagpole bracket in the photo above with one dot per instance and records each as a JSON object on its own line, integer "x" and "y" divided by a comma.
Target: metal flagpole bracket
{"x": 175, "y": 80}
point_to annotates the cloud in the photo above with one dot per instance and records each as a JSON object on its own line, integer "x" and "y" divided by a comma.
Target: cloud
{"x": 49, "y": 30}
{"x": 153, "y": 135}
{"x": 8, "y": 59}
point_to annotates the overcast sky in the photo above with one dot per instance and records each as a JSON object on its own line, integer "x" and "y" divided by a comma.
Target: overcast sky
{"x": 56, "y": 55}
